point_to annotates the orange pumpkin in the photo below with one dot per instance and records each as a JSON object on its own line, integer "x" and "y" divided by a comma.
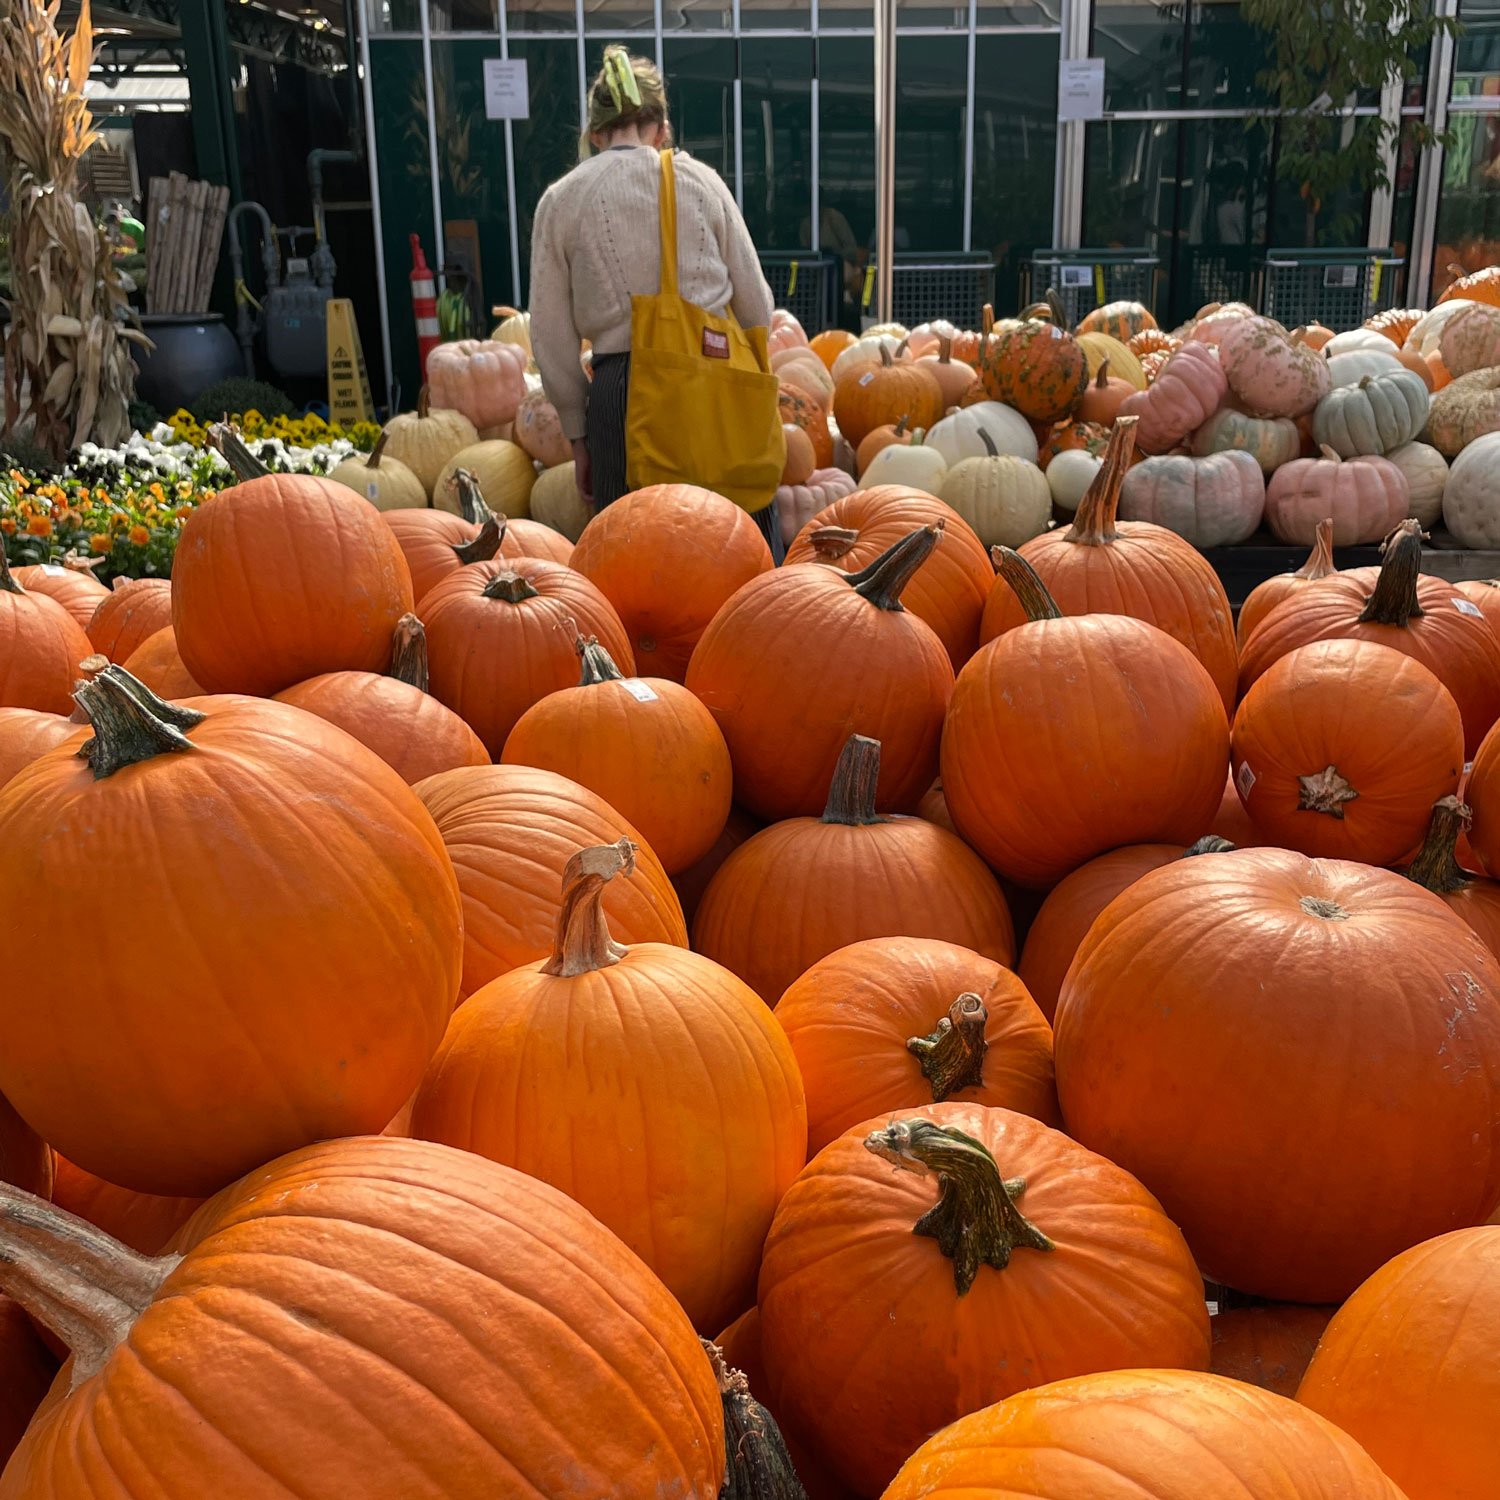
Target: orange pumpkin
{"x": 718, "y": 1129}
{"x": 1482, "y": 285}
{"x": 137, "y": 608}
{"x": 934, "y": 807}
{"x": 1191, "y": 1070}
{"x": 667, "y": 558}
{"x": 948, "y": 591}
{"x": 510, "y": 831}
{"x": 870, "y": 393}
{"x": 25, "y": 1159}
{"x": 1037, "y": 367}
{"x": 800, "y": 459}
{"x": 1048, "y": 1262}
{"x": 281, "y": 577}
{"x": 351, "y": 1279}
{"x": 27, "y": 1370}
{"x": 1024, "y": 778}
{"x": 1407, "y": 1367}
{"x": 818, "y": 884}
{"x": 436, "y": 543}
{"x": 301, "y": 958}
{"x": 1121, "y": 320}
{"x": 26, "y": 734}
{"x": 1269, "y": 1345}
{"x": 691, "y": 883}
{"x": 646, "y": 745}
{"x": 1266, "y": 595}
{"x": 78, "y": 591}
{"x": 803, "y": 657}
{"x": 157, "y": 663}
{"x": 893, "y": 434}
{"x": 41, "y": 645}
{"x": 518, "y": 536}
{"x": 1102, "y": 397}
{"x": 1152, "y": 341}
{"x": 894, "y": 1023}
{"x": 1436, "y": 869}
{"x": 1396, "y": 322}
{"x": 798, "y": 409}
{"x": 1485, "y": 592}
{"x": 1089, "y": 436}
{"x": 955, "y": 378}
{"x": 142, "y": 1221}
{"x": 969, "y": 343}
{"x": 829, "y": 344}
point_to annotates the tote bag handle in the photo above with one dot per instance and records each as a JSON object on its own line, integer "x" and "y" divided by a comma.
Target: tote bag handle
{"x": 668, "y": 210}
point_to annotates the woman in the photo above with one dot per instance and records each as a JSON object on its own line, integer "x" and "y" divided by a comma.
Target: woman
{"x": 595, "y": 244}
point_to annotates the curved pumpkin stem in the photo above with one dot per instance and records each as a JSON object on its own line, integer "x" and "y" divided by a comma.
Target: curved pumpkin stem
{"x": 8, "y": 584}
{"x": 485, "y": 547}
{"x": 884, "y": 580}
{"x": 409, "y": 652}
{"x": 951, "y": 1056}
{"x": 131, "y": 724}
{"x": 1094, "y": 524}
{"x": 851, "y": 794}
{"x": 1436, "y": 867}
{"x": 373, "y": 457}
{"x": 583, "y": 943}
{"x": 471, "y": 502}
{"x": 230, "y": 446}
{"x": 424, "y": 401}
{"x": 975, "y": 1221}
{"x": 760, "y": 1468}
{"x": 832, "y": 542}
{"x": 598, "y": 665}
{"x": 1026, "y": 584}
{"x": 1319, "y": 562}
{"x": 1393, "y": 601}
{"x": 509, "y": 586}
{"x": 85, "y": 1287}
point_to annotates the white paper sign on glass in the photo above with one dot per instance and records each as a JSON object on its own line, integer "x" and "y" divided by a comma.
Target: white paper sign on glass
{"x": 506, "y": 94}
{"x": 1080, "y": 88}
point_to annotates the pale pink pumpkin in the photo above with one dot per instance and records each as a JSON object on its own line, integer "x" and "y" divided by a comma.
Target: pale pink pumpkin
{"x": 1366, "y": 498}
{"x": 1470, "y": 339}
{"x": 1187, "y": 391}
{"x": 1270, "y": 374}
{"x": 539, "y": 431}
{"x": 1214, "y": 501}
{"x": 797, "y": 504}
{"x": 483, "y": 379}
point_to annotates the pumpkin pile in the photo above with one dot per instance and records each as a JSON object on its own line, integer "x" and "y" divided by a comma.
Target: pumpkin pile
{"x": 504, "y": 1007}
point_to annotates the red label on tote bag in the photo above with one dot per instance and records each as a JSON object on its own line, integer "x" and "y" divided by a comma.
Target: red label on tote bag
{"x": 715, "y": 344}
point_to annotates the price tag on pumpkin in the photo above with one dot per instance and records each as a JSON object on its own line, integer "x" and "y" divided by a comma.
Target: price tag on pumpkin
{"x": 1244, "y": 778}
{"x": 638, "y": 690}
{"x": 1468, "y": 607}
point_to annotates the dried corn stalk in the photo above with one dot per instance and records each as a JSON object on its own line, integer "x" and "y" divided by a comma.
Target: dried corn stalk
{"x": 68, "y": 371}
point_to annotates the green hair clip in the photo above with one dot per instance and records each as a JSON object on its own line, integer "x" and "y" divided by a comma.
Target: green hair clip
{"x": 620, "y": 78}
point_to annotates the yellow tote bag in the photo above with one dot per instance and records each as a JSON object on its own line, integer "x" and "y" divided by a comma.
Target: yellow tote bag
{"x": 703, "y": 401}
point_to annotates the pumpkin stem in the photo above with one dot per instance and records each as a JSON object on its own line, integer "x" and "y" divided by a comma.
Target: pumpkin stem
{"x": 1210, "y": 843}
{"x": 1436, "y": 867}
{"x": 759, "y": 1466}
{"x": 1094, "y": 524}
{"x": 582, "y": 943}
{"x": 975, "y": 1221}
{"x": 471, "y": 502}
{"x": 85, "y": 1287}
{"x": 987, "y": 320}
{"x": 901, "y": 422}
{"x": 372, "y": 459}
{"x": 884, "y": 580}
{"x": 485, "y": 546}
{"x": 1319, "y": 562}
{"x": 598, "y": 665}
{"x": 1025, "y": 584}
{"x": 1332, "y": 455}
{"x": 1325, "y": 791}
{"x": 1101, "y": 380}
{"x": 832, "y": 542}
{"x": 8, "y": 584}
{"x": 510, "y": 586}
{"x": 424, "y": 401}
{"x": 230, "y": 446}
{"x": 409, "y": 652}
{"x": 951, "y": 1056}
{"x": 945, "y": 350}
{"x": 88, "y": 669}
{"x": 1393, "y": 601}
{"x": 130, "y": 722}
{"x": 851, "y": 794}
{"x": 991, "y": 451}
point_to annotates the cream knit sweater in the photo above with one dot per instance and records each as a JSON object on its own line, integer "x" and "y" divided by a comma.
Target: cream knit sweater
{"x": 595, "y": 243}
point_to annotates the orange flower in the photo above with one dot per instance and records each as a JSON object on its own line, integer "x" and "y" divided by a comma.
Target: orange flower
{"x": 99, "y": 543}
{"x": 39, "y": 526}
{"x": 8, "y": 526}
{"x": 139, "y": 535}
{"x": 71, "y": 518}
{"x": 183, "y": 512}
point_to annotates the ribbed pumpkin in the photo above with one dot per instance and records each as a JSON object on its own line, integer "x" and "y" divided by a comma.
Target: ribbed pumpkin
{"x": 1269, "y": 373}
{"x": 510, "y": 832}
{"x": 301, "y": 958}
{"x": 1265, "y": 596}
{"x": 518, "y": 536}
{"x": 1482, "y": 792}
{"x": 1004, "y": 498}
{"x": 798, "y": 409}
{"x": 1436, "y": 869}
{"x": 1395, "y": 605}
{"x": 1465, "y": 409}
{"x": 394, "y": 715}
{"x": 691, "y": 883}
{"x": 1482, "y": 285}
{"x": 381, "y": 479}
{"x": 1426, "y": 473}
{"x": 500, "y": 638}
{"x": 27, "y": 1370}
{"x": 1032, "y": 1260}
{"x": 1035, "y": 366}
{"x": 556, "y": 503}
{"x": 1270, "y": 441}
{"x": 142, "y": 1221}
{"x": 954, "y": 376}
{"x": 668, "y": 557}
{"x": 1101, "y": 565}
{"x": 829, "y": 344}
{"x": 137, "y": 608}
{"x": 384, "y": 1281}
{"x": 503, "y": 472}
{"x": 1269, "y": 1345}
{"x": 436, "y": 543}
{"x": 1178, "y": 1059}
{"x": 1121, "y": 320}
{"x": 1213, "y": 501}
{"x": 41, "y": 645}
{"x": 1341, "y": 748}
{"x": 1407, "y": 1366}
{"x": 26, "y": 734}
{"x": 281, "y": 577}
{"x": 1365, "y": 497}
{"x": 79, "y": 592}
{"x": 1189, "y": 388}
{"x": 424, "y": 440}
{"x": 1373, "y": 415}
{"x": 1146, "y": 1435}
{"x": 1025, "y": 782}
{"x": 25, "y": 1158}
{"x": 1395, "y": 323}
{"x": 691, "y": 1171}
{"x": 803, "y": 657}
{"x": 157, "y": 663}
{"x": 895, "y": 1023}
{"x": 819, "y": 884}
{"x": 645, "y": 745}
{"x": 870, "y": 393}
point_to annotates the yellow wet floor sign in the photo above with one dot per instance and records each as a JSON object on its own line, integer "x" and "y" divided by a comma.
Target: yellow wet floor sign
{"x": 349, "y": 397}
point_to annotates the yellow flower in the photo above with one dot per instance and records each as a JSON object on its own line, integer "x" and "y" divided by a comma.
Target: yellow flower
{"x": 99, "y": 543}
{"x": 139, "y": 535}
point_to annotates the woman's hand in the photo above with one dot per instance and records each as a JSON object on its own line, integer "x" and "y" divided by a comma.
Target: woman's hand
{"x": 583, "y": 473}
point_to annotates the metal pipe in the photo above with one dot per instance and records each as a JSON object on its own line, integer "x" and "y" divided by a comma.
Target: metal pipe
{"x": 885, "y": 158}
{"x": 244, "y": 320}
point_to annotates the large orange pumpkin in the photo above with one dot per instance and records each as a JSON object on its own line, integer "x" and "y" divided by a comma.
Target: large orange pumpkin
{"x": 1070, "y": 736}
{"x": 830, "y": 343}
{"x": 27, "y": 1370}
{"x": 800, "y": 410}
{"x": 26, "y": 734}
{"x": 143, "y": 1221}
{"x": 894, "y": 1023}
{"x": 1396, "y": 322}
{"x": 1407, "y": 1367}
{"x": 1482, "y": 793}
{"x": 1266, "y": 595}
{"x": 948, "y": 591}
{"x": 382, "y": 1318}
{"x": 667, "y": 558}
{"x": 691, "y": 883}
{"x": 800, "y": 659}
{"x": 157, "y": 663}
{"x": 500, "y": 638}
{"x": 296, "y": 969}
{"x": 1482, "y": 285}
{"x": 1399, "y": 606}
{"x": 518, "y": 536}
{"x": 688, "y": 1173}
{"x": 436, "y": 543}
{"x": 818, "y": 884}
{"x": 1121, "y": 320}
{"x": 41, "y": 645}
{"x": 1436, "y": 869}
{"x": 282, "y": 577}
{"x": 1267, "y": 1042}
{"x": 510, "y": 832}
{"x": 873, "y": 393}
{"x": 646, "y": 745}
{"x": 1102, "y": 565}
{"x": 1143, "y": 1435}
{"x": 1269, "y": 1345}
{"x": 1003, "y": 1256}
{"x": 25, "y": 1158}
{"x": 1035, "y": 366}
{"x": 77, "y": 590}
{"x": 394, "y": 715}
{"x": 134, "y": 611}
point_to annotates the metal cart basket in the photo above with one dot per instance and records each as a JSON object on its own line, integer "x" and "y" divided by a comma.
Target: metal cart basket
{"x": 1338, "y": 288}
{"x": 924, "y": 287}
{"x": 806, "y": 284}
{"x": 1086, "y": 279}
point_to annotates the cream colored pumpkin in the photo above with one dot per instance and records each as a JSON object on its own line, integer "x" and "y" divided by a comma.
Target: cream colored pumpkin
{"x": 1426, "y": 472}
{"x": 1351, "y": 368}
{"x": 957, "y": 436}
{"x": 913, "y": 464}
{"x": 384, "y": 481}
{"x": 1005, "y": 499}
{"x": 803, "y": 369}
{"x": 866, "y": 347}
{"x": 539, "y": 431}
{"x": 427, "y": 438}
{"x": 1471, "y": 498}
{"x": 1070, "y": 474}
{"x": 1470, "y": 339}
{"x": 1426, "y": 336}
{"x": 555, "y": 501}
{"x": 1123, "y": 365}
{"x": 1354, "y": 339}
{"x": 503, "y": 470}
{"x": 513, "y": 328}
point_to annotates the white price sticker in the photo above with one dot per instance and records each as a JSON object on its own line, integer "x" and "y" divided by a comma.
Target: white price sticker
{"x": 1468, "y": 607}
{"x": 638, "y": 690}
{"x": 372, "y": 490}
{"x": 867, "y": 377}
{"x": 1244, "y": 778}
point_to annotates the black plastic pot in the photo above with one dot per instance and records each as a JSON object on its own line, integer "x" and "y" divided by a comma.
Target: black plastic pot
{"x": 193, "y": 351}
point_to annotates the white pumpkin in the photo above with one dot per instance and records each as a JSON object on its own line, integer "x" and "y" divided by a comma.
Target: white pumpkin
{"x": 503, "y": 470}
{"x": 1426, "y": 336}
{"x": 1070, "y": 474}
{"x": 913, "y": 464}
{"x": 1355, "y": 339}
{"x": 1351, "y": 368}
{"x": 425, "y": 439}
{"x": 384, "y": 481}
{"x": 555, "y": 502}
{"x": 1471, "y": 498}
{"x": 513, "y": 328}
{"x": 1214, "y": 501}
{"x": 1374, "y": 415}
{"x": 958, "y": 435}
{"x": 1005, "y": 499}
{"x": 868, "y": 346}
{"x": 1426, "y": 473}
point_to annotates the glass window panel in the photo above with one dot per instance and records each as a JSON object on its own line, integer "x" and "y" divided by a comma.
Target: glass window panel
{"x": 464, "y": 15}
{"x": 546, "y": 145}
{"x": 1015, "y": 152}
{"x": 846, "y": 141}
{"x": 953, "y": 14}
{"x": 1222, "y": 213}
{"x": 776, "y": 107}
{"x": 528, "y": 16}
{"x": 782, "y": 15}
{"x": 931, "y": 122}
{"x": 1297, "y": 223}
{"x": 696, "y": 15}
{"x": 700, "y": 94}
{"x": 1468, "y": 220}
{"x": 394, "y": 16}
{"x": 616, "y": 17}
{"x": 845, "y": 15}
{"x": 1225, "y": 54}
{"x": 1018, "y": 13}
{"x": 1477, "y": 55}
{"x": 1141, "y": 42}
